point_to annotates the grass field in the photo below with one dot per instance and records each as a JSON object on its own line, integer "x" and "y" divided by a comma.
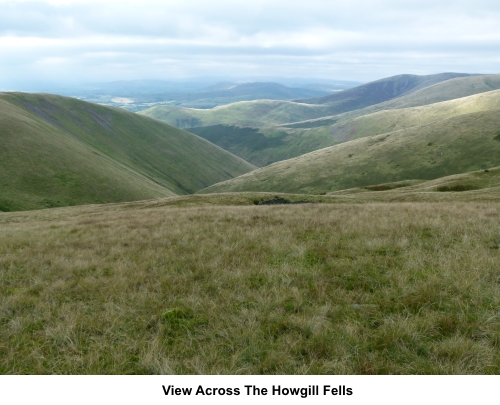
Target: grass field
{"x": 214, "y": 284}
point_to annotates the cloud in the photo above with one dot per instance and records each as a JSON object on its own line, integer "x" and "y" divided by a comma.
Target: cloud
{"x": 357, "y": 40}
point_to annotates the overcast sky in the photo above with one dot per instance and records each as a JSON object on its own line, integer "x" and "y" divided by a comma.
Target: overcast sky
{"x": 361, "y": 40}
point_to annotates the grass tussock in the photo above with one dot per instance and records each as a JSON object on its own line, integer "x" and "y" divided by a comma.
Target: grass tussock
{"x": 407, "y": 288}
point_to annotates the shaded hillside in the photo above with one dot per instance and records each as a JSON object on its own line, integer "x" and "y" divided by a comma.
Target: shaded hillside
{"x": 380, "y": 91}
{"x": 457, "y": 145}
{"x": 263, "y": 146}
{"x": 60, "y": 151}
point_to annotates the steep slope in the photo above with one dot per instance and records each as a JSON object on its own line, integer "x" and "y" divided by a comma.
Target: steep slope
{"x": 380, "y": 91}
{"x": 457, "y": 145}
{"x": 60, "y": 151}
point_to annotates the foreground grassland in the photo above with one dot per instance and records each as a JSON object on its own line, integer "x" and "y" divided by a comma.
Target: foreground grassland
{"x": 184, "y": 285}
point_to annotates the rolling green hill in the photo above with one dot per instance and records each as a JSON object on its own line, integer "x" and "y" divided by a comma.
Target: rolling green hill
{"x": 263, "y": 146}
{"x": 59, "y": 151}
{"x": 456, "y": 145}
{"x": 246, "y": 113}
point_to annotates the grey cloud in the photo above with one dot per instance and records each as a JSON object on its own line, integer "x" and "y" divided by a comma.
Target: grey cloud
{"x": 357, "y": 40}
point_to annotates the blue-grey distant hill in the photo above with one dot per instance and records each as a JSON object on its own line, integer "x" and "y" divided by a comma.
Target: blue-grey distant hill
{"x": 138, "y": 95}
{"x": 379, "y": 91}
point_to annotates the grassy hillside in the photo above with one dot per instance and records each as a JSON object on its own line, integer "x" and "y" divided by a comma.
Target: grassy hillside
{"x": 396, "y": 119}
{"x": 156, "y": 288}
{"x": 380, "y": 91}
{"x": 457, "y": 145}
{"x": 60, "y": 151}
{"x": 445, "y": 91}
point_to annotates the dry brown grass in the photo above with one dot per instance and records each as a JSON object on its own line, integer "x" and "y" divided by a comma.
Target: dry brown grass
{"x": 398, "y": 288}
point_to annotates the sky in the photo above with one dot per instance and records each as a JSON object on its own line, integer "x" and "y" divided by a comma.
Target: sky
{"x": 95, "y": 41}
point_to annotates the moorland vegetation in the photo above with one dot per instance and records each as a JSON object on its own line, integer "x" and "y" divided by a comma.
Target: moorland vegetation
{"x": 217, "y": 285}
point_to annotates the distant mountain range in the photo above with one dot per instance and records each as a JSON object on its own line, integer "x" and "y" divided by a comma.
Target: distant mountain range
{"x": 141, "y": 94}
